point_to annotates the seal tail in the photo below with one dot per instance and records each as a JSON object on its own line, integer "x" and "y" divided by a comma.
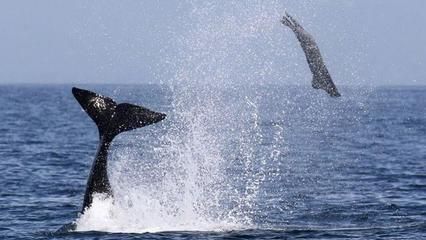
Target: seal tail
{"x": 325, "y": 84}
{"x": 112, "y": 118}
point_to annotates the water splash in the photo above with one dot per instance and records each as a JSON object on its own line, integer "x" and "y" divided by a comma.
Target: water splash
{"x": 208, "y": 168}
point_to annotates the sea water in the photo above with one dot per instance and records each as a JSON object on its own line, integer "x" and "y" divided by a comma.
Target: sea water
{"x": 248, "y": 148}
{"x": 267, "y": 162}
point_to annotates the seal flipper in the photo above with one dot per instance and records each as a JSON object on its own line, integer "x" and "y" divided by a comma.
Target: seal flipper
{"x": 287, "y": 22}
{"x": 111, "y": 119}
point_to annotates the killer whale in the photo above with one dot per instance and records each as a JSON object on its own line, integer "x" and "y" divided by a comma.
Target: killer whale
{"x": 321, "y": 77}
{"x": 111, "y": 119}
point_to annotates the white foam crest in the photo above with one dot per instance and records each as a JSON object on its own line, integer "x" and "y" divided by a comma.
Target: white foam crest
{"x": 108, "y": 215}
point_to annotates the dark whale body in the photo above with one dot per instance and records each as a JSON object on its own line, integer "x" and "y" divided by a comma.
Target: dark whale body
{"x": 321, "y": 77}
{"x": 111, "y": 119}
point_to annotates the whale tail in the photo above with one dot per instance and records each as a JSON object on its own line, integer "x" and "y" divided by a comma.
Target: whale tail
{"x": 112, "y": 118}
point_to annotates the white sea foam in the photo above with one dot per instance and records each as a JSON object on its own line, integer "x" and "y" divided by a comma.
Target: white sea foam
{"x": 148, "y": 215}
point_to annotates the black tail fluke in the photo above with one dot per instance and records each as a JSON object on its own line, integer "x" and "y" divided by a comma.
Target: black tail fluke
{"x": 100, "y": 109}
{"x": 112, "y": 118}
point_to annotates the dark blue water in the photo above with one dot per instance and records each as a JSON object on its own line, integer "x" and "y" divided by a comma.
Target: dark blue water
{"x": 349, "y": 168}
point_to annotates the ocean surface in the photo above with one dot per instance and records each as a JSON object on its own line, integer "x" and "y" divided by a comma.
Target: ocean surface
{"x": 241, "y": 162}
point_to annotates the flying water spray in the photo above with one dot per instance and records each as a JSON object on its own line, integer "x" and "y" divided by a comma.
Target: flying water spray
{"x": 205, "y": 169}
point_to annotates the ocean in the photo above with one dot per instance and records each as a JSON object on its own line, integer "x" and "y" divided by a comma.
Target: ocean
{"x": 241, "y": 162}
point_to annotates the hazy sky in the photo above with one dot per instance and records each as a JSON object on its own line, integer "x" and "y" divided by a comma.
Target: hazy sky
{"x": 372, "y": 41}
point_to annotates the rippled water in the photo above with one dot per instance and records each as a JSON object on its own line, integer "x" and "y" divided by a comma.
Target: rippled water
{"x": 246, "y": 162}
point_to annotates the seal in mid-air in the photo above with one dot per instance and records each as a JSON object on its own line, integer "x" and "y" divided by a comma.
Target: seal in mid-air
{"x": 111, "y": 119}
{"x": 321, "y": 76}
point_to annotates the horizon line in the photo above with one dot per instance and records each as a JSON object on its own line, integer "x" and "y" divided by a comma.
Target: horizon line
{"x": 165, "y": 84}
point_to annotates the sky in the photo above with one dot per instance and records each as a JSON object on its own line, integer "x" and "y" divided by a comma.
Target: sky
{"x": 375, "y": 42}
